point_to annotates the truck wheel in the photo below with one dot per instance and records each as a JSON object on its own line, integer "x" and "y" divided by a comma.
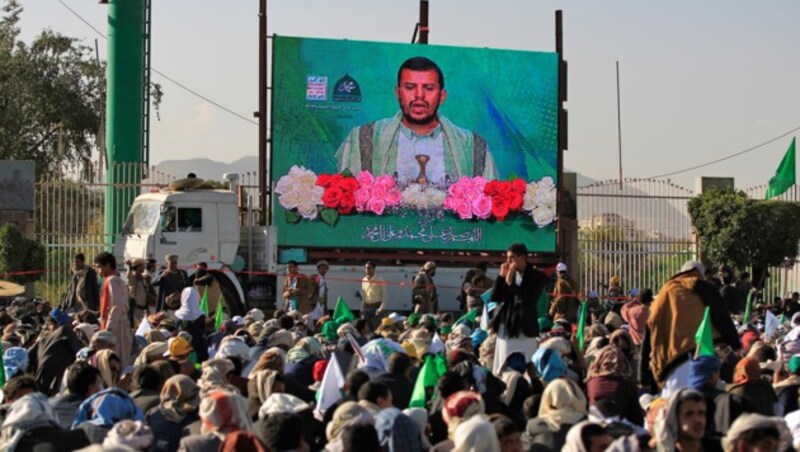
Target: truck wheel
{"x": 231, "y": 295}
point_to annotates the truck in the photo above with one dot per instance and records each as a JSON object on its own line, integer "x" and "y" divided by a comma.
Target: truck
{"x": 212, "y": 226}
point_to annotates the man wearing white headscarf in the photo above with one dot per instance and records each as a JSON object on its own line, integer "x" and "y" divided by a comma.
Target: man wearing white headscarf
{"x": 476, "y": 434}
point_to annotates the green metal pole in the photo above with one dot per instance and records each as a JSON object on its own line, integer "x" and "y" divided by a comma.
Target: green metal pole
{"x": 124, "y": 100}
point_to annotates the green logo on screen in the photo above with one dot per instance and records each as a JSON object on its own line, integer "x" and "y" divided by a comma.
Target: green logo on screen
{"x": 346, "y": 89}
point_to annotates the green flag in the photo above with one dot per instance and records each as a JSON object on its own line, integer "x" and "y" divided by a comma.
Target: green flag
{"x": 470, "y": 316}
{"x": 204, "y": 302}
{"x": 704, "y": 338}
{"x": 748, "y": 308}
{"x": 487, "y": 296}
{"x": 342, "y": 311}
{"x": 543, "y": 305}
{"x": 582, "y": 326}
{"x": 785, "y": 175}
{"x": 2, "y": 368}
{"x": 428, "y": 377}
{"x": 219, "y": 316}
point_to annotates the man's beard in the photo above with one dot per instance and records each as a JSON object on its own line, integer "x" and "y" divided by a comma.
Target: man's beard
{"x": 422, "y": 121}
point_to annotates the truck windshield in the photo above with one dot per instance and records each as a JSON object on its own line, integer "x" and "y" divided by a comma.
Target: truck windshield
{"x": 142, "y": 218}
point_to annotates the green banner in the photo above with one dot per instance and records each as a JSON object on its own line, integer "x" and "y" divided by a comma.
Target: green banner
{"x": 384, "y": 146}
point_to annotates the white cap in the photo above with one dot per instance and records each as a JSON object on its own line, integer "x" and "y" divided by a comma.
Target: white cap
{"x": 396, "y": 317}
{"x": 561, "y": 267}
{"x": 238, "y": 320}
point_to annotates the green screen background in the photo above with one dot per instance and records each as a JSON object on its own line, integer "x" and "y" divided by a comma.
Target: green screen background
{"x": 508, "y": 97}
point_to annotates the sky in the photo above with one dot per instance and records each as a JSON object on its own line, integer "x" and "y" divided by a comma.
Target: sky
{"x": 699, "y": 80}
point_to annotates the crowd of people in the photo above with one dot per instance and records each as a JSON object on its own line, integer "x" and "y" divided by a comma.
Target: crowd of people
{"x": 531, "y": 363}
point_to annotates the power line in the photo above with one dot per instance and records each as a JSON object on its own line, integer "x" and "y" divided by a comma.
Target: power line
{"x": 177, "y": 83}
{"x": 728, "y": 157}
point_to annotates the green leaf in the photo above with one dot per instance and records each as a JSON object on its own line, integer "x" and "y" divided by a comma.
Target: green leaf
{"x": 292, "y": 217}
{"x": 346, "y": 173}
{"x": 512, "y": 176}
{"x": 329, "y": 216}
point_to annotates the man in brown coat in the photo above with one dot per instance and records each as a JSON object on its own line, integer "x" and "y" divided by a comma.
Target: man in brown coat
{"x": 297, "y": 290}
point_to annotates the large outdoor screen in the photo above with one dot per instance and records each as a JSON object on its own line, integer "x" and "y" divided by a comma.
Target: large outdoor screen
{"x": 378, "y": 145}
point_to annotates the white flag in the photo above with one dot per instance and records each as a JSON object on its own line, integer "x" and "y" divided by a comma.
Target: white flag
{"x": 437, "y": 345}
{"x": 485, "y": 318}
{"x": 330, "y": 390}
{"x": 144, "y": 327}
{"x": 770, "y": 325}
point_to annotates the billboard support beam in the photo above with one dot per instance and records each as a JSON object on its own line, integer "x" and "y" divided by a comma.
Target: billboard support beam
{"x": 561, "y": 239}
{"x": 262, "y": 112}
{"x": 423, "y": 21}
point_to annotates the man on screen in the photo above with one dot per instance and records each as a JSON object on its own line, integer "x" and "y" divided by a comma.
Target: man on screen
{"x": 418, "y": 144}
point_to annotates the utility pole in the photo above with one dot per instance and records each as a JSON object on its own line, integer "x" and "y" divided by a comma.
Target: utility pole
{"x": 262, "y": 113}
{"x": 423, "y": 21}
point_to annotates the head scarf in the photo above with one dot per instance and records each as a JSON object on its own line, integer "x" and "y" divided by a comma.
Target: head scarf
{"x": 87, "y": 330}
{"x": 397, "y": 432}
{"x": 611, "y": 361}
{"x": 613, "y": 320}
{"x": 242, "y": 441}
{"x": 478, "y": 336}
{"x": 133, "y": 434}
{"x": 222, "y": 412}
{"x": 255, "y": 328}
{"x": 262, "y": 381}
{"x": 190, "y": 305}
{"x": 319, "y": 369}
{"x": 476, "y": 434}
{"x": 102, "y": 362}
{"x": 234, "y": 347}
{"x": 305, "y": 348}
{"x": 701, "y": 370}
{"x": 549, "y": 364}
{"x": 15, "y": 361}
{"x": 270, "y": 359}
{"x": 155, "y": 335}
{"x": 563, "y": 403}
{"x": 666, "y": 424}
{"x": 282, "y": 403}
{"x": 106, "y": 408}
{"x": 25, "y": 414}
{"x": 281, "y": 338}
{"x": 459, "y": 407}
{"x": 746, "y": 371}
{"x": 214, "y": 376}
{"x": 60, "y": 317}
{"x": 597, "y": 330}
{"x": 348, "y": 413}
{"x": 752, "y": 421}
{"x": 179, "y": 397}
{"x": 164, "y": 368}
{"x": 574, "y": 441}
{"x": 623, "y": 340}
{"x": 152, "y": 352}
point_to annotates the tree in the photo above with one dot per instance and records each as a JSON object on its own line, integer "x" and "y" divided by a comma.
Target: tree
{"x": 20, "y": 254}
{"x": 743, "y": 232}
{"x": 52, "y": 95}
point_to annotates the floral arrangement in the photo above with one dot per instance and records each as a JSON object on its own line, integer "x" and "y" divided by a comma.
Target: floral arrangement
{"x": 306, "y": 195}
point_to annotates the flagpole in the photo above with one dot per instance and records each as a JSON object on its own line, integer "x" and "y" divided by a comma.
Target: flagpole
{"x": 619, "y": 129}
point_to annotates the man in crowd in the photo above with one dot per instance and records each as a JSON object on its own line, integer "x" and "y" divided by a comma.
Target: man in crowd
{"x": 297, "y": 289}
{"x": 426, "y": 299}
{"x": 170, "y": 283}
{"x": 83, "y": 293}
{"x": 114, "y": 299}
{"x": 374, "y": 293}
{"x": 320, "y": 289}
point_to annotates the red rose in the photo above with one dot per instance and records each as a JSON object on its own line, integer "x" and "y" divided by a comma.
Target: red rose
{"x": 514, "y": 201}
{"x": 324, "y": 180}
{"x": 332, "y": 197}
{"x": 519, "y": 185}
{"x": 336, "y": 179}
{"x": 499, "y": 207}
{"x": 347, "y": 203}
{"x": 349, "y": 184}
{"x": 491, "y": 188}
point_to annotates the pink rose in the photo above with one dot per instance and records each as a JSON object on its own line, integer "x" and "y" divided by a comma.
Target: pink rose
{"x": 365, "y": 179}
{"x": 385, "y": 181}
{"x": 464, "y": 209}
{"x": 378, "y": 192}
{"x": 362, "y": 198}
{"x": 456, "y": 190}
{"x": 482, "y": 206}
{"x": 376, "y": 205}
{"x": 393, "y": 197}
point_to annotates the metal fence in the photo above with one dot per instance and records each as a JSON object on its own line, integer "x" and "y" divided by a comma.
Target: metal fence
{"x": 70, "y": 218}
{"x": 639, "y": 230}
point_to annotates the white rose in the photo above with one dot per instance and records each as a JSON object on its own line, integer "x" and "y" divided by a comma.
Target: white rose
{"x": 307, "y": 210}
{"x": 546, "y": 198}
{"x": 542, "y": 216}
{"x": 529, "y": 200}
{"x": 291, "y": 199}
